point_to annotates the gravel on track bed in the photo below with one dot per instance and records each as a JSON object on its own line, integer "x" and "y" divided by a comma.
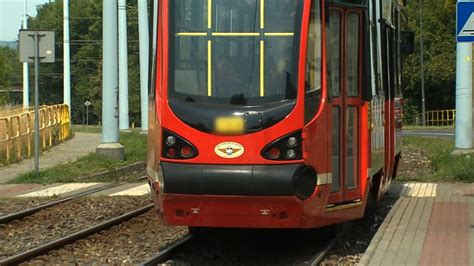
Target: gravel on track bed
{"x": 351, "y": 247}
{"x": 61, "y": 220}
{"x": 129, "y": 243}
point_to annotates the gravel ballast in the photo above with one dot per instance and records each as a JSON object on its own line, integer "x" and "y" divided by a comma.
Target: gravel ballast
{"x": 61, "y": 220}
{"x": 128, "y": 243}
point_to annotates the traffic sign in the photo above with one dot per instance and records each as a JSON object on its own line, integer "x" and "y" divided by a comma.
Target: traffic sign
{"x": 465, "y": 22}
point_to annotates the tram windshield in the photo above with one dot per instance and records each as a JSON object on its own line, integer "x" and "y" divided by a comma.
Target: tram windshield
{"x": 234, "y": 52}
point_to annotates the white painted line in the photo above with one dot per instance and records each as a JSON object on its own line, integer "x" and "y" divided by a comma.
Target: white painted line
{"x": 417, "y": 190}
{"x": 411, "y": 189}
{"x": 140, "y": 190}
{"x": 422, "y": 192}
{"x": 58, "y": 190}
{"x": 429, "y": 190}
{"x": 433, "y": 194}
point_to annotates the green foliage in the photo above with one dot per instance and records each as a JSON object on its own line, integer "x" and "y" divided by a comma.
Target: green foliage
{"x": 135, "y": 151}
{"x": 444, "y": 166}
{"x": 439, "y": 54}
{"x": 8, "y": 63}
{"x": 86, "y": 58}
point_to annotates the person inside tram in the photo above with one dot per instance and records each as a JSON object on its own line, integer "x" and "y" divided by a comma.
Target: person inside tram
{"x": 226, "y": 78}
{"x": 279, "y": 72}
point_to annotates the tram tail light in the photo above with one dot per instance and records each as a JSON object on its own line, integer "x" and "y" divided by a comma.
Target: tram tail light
{"x": 176, "y": 147}
{"x": 286, "y": 148}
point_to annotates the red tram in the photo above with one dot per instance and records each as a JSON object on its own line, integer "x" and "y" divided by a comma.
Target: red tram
{"x": 273, "y": 113}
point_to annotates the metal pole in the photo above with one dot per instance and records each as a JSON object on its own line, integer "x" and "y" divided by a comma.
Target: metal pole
{"x": 109, "y": 70}
{"x": 67, "y": 63}
{"x": 463, "y": 139}
{"x": 422, "y": 52}
{"x": 87, "y": 114}
{"x": 26, "y": 85}
{"x": 144, "y": 39}
{"x": 123, "y": 66}
{"x": 464, "y": 96}
{"x": 37, "y": 133}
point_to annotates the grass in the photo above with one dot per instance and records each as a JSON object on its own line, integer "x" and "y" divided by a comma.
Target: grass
{"x": 87, "y": 129}
{"x": 445, "y": 167}
{"x": 135, "y": 151}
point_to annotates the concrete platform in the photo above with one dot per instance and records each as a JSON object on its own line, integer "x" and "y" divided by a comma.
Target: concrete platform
{"x": 431, "y": 224}
{"x": 68, "y": 151}
{"x": 68, "y": 189}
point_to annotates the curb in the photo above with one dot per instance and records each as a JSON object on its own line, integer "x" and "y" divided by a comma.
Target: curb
{"x": 369, "y": 253}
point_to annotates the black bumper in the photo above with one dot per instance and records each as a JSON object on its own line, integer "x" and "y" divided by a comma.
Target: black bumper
{"x": 245, "y": 180}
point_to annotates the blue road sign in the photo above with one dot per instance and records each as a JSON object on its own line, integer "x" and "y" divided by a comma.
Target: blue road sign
{"x": 465, "y": 22}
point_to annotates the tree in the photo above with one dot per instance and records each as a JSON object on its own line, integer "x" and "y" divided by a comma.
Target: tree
{"x": 86, "y": 57}
{"x": 8, "y": 63}
{"x": 439, "y": 55}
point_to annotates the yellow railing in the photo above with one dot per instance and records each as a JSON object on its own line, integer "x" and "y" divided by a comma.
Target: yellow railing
{"x": 17, "y": 131}
{"x": 435, "y": 118}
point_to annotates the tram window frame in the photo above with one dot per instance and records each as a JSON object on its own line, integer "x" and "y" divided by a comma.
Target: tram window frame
{"x": 153, "y": 24}
{"x": 373, "y": 42}
{"x": 313, "y": 66}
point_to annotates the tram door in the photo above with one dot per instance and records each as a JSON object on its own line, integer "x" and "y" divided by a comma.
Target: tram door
{"x": 344, "y": 69}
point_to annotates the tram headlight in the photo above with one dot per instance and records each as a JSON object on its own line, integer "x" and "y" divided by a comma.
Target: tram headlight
{"x": 290, "y": 154}
{"x": 286, "y": 148}
{"x": 291, "y": 142}
{"x": 176, "y": 147}
{"x": 186, "y": 152}
{"x": 274, "y": 153}
{"x": 170, "y": 141}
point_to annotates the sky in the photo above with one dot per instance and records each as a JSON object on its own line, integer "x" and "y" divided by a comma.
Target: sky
{"x": 11, "y": 14}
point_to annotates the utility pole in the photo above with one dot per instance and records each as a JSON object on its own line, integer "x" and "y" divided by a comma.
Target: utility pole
{"x": 66, "y": 52}
{"x": 123, "y": 66}
{"x": 110, "y": 147}
{"x": 26, "y": 85}
{"x": 143, "y": 33}
{"x": 422, "y": 54}
{"x": 37, "y": 47}
{"x": 463, "y": 139}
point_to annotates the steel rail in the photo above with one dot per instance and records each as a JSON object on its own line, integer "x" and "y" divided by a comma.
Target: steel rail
{"x": 21, "y": 214}
{"x": 320, "y": 255}
{"x": 167, "y": 252}
{"x": 58, "y": 243}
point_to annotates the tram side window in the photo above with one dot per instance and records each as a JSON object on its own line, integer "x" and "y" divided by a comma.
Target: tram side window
{"x": 333, "y": 40}
{"x": 352, "y": 48}
{"x": 313, "y": 63}
{"x": 313, "y": 57}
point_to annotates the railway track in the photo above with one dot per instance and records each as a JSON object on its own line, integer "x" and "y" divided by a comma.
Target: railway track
{"x": 61, "y": 242}
{"x": 179, "y": 249}
{"x": 166, "y": 253}
{"x": 121, "y": 170}
{"x": 24, "y": 213}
